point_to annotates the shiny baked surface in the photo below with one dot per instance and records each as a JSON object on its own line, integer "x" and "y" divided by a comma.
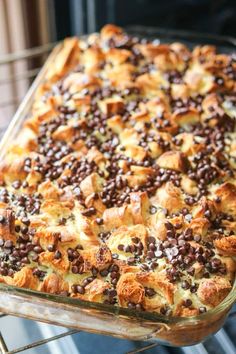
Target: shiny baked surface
{"x": 121, "y": 187}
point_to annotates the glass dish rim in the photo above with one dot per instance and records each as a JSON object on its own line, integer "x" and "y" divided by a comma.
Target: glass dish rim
{"x": 121, "y": 311}
{"x": 19, "y": 117}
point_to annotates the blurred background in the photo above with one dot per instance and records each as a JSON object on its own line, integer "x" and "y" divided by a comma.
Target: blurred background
{"x": 28, "y": 31}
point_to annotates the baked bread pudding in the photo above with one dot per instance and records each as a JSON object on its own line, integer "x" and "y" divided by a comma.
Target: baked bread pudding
{"x": 120, "y": 187}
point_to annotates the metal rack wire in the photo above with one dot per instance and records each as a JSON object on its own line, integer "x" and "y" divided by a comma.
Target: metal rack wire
{"x": 221, "y": 337}
{"x": 4, "y": 348}
{"x": 38, "y": 343}
{"x": 26, "y": 56}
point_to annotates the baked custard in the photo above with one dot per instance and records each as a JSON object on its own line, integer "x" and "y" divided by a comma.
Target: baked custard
{"x": 120, "y": 187}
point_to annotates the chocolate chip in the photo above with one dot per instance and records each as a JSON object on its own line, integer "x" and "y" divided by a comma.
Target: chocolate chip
{"x": 185, "y": 285}
{"x": 207, "y": 214}
{"x": 191, "y": 271}
{"x": 114, "y": 275}
{"x": 206, "y": 275}
{"x": 3, "y": 271}
{"x": 144, "y": 267}
{"x": 159, "y": 254}
{"x": 10, "y": 272}
{"x": 25, "y": 260}
{"x": 217, "y": 199}
{"x": 114, "y": 268}
{"x": 17, "y": 228}
{"x": 2, "y": 219}
{"x": 38, "y": 249}
{"x": 24, "y": 229}
{"x": 178, "y": 226}
{"x": 169, "y": 226}
{"x": 197, "y": 238}
{"x": 127, "y": 249}
{"x": 114, "y": 281}
{"x": 121, "y": 247}
{"x": 153, "y": 210}
{"x": 79, "y": 247}
{"x": 88, "y": 280}
{"x": 89, "y": 212}
{"x": 152, "y": 247}
{"x": 51, "y": 248}
{"x": 74, "y": 288}
{"x": 25, "y": 221}
{"x": 153, "y": 265}
{"x": 80, "y": 289}
{"x": 202, "y": 309}
{"x": 131, "y": 260}
{"x": 57, "y": 255}
{"x": 16, "y": 184}
{"x": 94, "y": 271}
{"x": 112, "y": 292}
{"x": 8, "y": 244}
{"x": 131, "y": 305}
{"x": 150, "y": 292}
{"x": 139, "y": 307}
{"x": 170, "y": 233}
{"x": 150, "y": 254}
{"x": 193, "y": 288}
{"x": 99, "y": 221}
{"x": 104, "y": 272}
{"x": 188, "y": 303}
{"x": 151, "y": 239}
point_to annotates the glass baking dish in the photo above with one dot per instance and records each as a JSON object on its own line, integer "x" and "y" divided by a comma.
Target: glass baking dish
{"x": 103, "y": 318}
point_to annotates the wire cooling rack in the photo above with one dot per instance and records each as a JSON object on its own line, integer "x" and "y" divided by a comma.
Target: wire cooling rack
{"x": 4, "y": 347}
{"x": 221, "y": 337}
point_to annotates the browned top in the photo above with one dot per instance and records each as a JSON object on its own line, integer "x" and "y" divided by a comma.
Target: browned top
{"x": 120, "y": 187}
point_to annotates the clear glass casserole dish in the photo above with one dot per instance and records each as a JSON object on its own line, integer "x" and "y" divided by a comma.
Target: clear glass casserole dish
{"x": 103, "y": 318}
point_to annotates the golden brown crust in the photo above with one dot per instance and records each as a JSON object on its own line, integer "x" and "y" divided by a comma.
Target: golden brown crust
{"x": 54, "y": 284}
{"x": 184, "y": 117}
{"x": 212, "y": 291}
{"x": 169, "y": 197}
{"x": 98, "y": 258}
{"x": 172, "y": 160}
{"x": 66, "y": 60}
{"x": 7, "y": 228}
{"x": 25, "y": 279}
{"x": 91, "y": 184}
{"x": 94, "y": 291}
{"x": 61, "y": 265}
{"x": 227, "y": 194}
{"x": 159, "y": 283}
{"x": 200, "y": 226}
{"x": 227, "y": 245}
{"x": 183, "y": 311}
{"x": 129, "y": 290}
{"x": 116, "y": 217}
